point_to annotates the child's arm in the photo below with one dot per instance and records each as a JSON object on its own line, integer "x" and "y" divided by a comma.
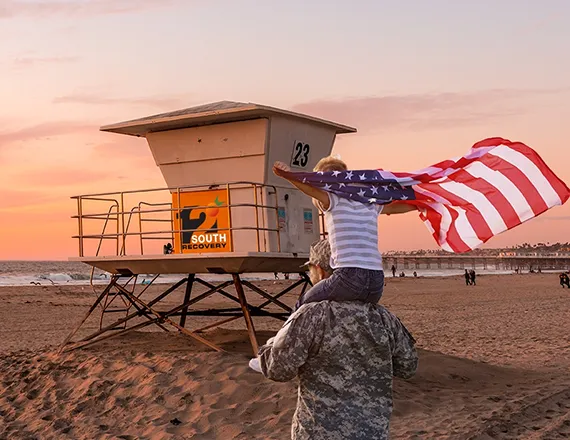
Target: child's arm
{"x": 397, "y": 208}
{"x": 322, "y": 196}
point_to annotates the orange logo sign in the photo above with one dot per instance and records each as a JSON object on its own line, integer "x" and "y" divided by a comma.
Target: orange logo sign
{"x": 203, "y": 220}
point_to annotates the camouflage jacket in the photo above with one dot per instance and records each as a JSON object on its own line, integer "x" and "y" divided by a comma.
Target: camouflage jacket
{"x": 345, "y": 355}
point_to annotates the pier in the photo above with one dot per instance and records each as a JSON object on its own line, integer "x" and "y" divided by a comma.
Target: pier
{"x": 520, "y": 262}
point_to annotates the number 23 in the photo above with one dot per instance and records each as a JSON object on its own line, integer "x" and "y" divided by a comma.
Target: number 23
{"x": 301, "y": 155}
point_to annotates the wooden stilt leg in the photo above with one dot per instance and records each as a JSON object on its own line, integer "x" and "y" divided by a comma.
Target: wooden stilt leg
{"x": 307, "y": 281}
{"x": 186, "y": 299}
{"x": 246, "y": 315}
{"x": 138, "y": 312}
{"x": 108, "y": 303}
{"x": 216, "y": 324}
{"x": 93, "y": 307}
{"x": 89, "y": 340}
{"x": 169, "y": 321}
{"x": 267, "y": 296}
{"x": 283, "y": 292}
{"x": 83, "y": 344}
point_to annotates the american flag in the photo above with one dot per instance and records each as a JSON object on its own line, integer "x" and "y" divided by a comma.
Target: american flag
{"x": 464, "y": 201}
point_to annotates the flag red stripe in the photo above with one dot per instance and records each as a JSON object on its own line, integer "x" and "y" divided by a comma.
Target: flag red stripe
{"x": 429, "y": 176}
{"x": 519, "y": 179}
{"x": 434, "y": 219}
{"x": 495, "y": 197}
{"x": 492, "y": 142}
{"x": 475, "y": 218}
{"x": 558, "y": 185}
{"x": 452, "y": 237}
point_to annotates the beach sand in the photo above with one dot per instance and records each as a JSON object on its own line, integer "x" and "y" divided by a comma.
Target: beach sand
{"x": 494, "y": 364}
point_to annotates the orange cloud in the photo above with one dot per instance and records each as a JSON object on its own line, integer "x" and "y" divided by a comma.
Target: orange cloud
{"x": 14, "y": 198}
{"x": 50, "y": 213}
{"x": 560, "y": 218}
{"x": 58, "y": 176}
{"x": 128, "y": 148}
{"x": 14, "y": 8}
{"x": 421, "y": 111}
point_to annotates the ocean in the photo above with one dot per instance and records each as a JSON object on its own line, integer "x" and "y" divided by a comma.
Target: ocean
{"x": 23, "y": 273}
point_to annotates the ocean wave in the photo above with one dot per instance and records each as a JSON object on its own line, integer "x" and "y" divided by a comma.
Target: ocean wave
{"x": 66, "y": 277}
{"x": 59, "y": 278}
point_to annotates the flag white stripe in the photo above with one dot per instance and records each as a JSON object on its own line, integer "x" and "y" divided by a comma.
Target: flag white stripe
{"x": 504, "y": 186}
{"x": 476, "y": 153}
{"x": 534, "y": 174}
{"x": 473, "y": 154}
{"x": 440, "y": 209}
{"x": 402, "y": 180}
{"x": 464, "y": 227}
{"x": 482, "y": 204}
{"x": 435, "y": 172}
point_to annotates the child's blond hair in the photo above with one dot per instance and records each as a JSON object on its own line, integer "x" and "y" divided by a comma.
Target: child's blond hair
{"x": 330, "y": 163}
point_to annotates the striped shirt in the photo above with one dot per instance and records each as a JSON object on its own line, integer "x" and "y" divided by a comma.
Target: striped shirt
{"x": 353, "y": 233}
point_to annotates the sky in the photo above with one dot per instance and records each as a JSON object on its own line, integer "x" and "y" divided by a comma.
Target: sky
{"x": 421, "y": 80}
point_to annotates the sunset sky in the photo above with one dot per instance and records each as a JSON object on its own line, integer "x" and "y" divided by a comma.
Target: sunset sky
{"x": 421, "y": 80}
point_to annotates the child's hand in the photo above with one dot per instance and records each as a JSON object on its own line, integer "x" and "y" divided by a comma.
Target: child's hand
{"x": 279, "y": 167}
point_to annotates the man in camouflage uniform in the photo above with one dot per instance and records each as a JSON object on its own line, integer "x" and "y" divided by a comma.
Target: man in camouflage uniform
{"x": 345, "y": 355}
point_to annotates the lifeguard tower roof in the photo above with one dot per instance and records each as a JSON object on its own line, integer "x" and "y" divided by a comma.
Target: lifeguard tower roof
{"x": 207, "y": 114}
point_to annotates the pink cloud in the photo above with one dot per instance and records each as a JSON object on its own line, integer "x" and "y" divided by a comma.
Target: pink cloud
{"x": 540, "y": 23}
{"x": 421, "y": 111}
{"x": 95, "y": 99}
{"x": 31, "y": 61}
{"x": 15, "y": 8}
{"x": 46, "y": 130}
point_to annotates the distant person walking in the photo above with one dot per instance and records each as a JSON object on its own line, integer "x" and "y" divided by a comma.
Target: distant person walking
{"x": 467, "y": 278}
{"x": 564, "y": 280}
{"x": 472, "y": 276}
{"x": 393, "y": 270}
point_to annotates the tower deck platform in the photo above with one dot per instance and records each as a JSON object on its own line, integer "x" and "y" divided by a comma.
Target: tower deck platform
{"x": 140, "y": 308}
{"x": 219, "y": 263}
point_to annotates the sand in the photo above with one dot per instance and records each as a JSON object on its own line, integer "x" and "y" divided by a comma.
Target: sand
{"x": 494, "y": 364}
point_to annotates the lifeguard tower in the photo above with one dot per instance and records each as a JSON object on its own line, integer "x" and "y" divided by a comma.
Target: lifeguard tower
{"x": 223, "y": 211}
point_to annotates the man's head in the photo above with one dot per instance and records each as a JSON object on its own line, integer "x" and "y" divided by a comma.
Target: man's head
{"x": 330, "y": 163}
{"x": 319, "y": 261}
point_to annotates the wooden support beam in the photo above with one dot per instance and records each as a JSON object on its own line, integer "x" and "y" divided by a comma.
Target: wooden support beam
{"x": 246, "y": 315}
{"x": 187, "y": 294}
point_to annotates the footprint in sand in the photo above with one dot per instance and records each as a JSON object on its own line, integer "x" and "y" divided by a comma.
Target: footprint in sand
{"x": 33, "y": 393}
